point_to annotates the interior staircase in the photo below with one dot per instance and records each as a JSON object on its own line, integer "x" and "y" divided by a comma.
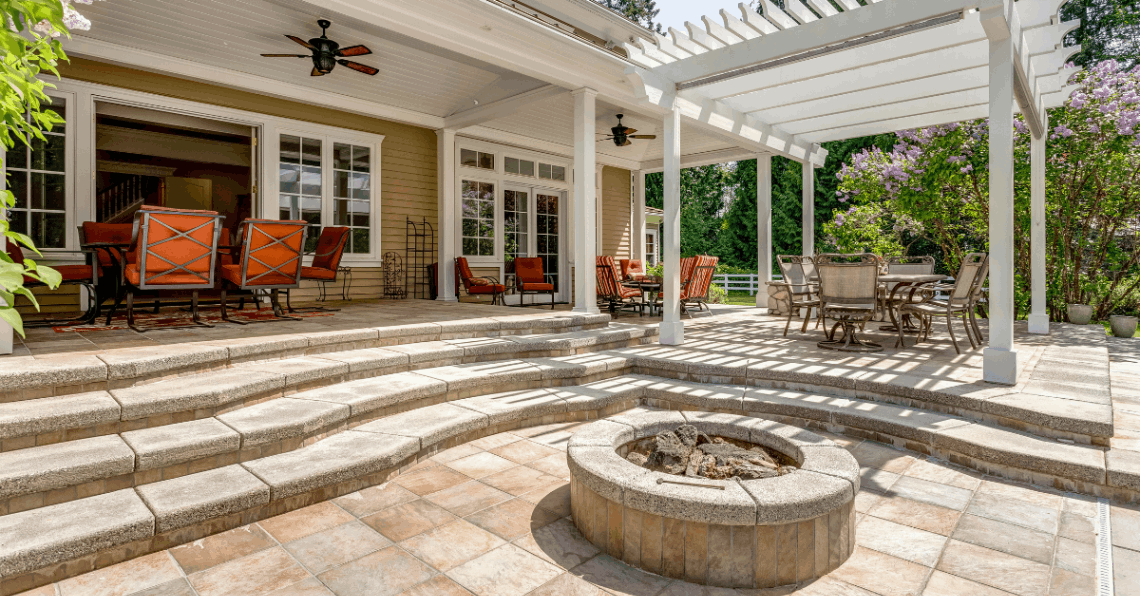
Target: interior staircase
{"x": 105, "y": 458}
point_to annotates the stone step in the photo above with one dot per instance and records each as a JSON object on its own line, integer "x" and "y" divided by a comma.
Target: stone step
{"x": 38, "y": 545}
{"x": 29, "y": 378}
{"x": 48, "y": 420}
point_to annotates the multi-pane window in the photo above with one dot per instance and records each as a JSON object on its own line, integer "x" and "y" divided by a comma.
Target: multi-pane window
{"x": 478, "y": 219}
{"x": 477, "y": 159}
{"x": 515, "y": 203}
{"x": 546, "y": 236}
{"x": 651, "y": 248}
{"x": 37, "y": 176}
{"x": 300, "y": 185}
{"x": 551, "y": 172}
{"x": 520, "y": 167}
{"x": 352, "y": 193}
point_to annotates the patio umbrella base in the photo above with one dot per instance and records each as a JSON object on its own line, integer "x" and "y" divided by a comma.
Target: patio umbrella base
{"x": 849, "y": 342}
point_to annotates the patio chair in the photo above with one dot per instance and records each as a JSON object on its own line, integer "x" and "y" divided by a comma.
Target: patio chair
{"x": 530, "y": 279}
{"x": 171, "y": 249}
{"x": 848, "y": 295}
{"x": 86, "y": 275}
{"x": 801, "y": 287}
{"x": 695, "y": 290}
{"x": 611, "y": 293}
{"x": 269, "y": 259}
{"x": 913, "y": 265}
{"x": 476, "y": 286}
{"x": 962, "y": 300}
{"x": 632, "y": 270}
{"x": 325, "y": 265}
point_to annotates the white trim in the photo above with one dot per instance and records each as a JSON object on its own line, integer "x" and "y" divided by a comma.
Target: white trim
{"x": 566, "y": 152}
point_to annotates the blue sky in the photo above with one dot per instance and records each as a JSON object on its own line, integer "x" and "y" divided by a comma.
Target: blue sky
{"x": 674, "y": 13}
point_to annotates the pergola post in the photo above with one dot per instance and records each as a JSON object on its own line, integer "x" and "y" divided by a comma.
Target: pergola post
{"x": 809, "y": 210}
{"x": 672, "y": 330}
{"x": 1039, "y": 315}
{"x": 1000, "y": 357}
{"x": 638, "y": 240}
{"x": 585, "y": 202}
{"x": 763, "y": 227}
{"x": 445, "y": 155}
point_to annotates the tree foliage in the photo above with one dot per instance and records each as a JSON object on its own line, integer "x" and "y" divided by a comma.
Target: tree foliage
{"x": 642, "y": 12}
{"x": 704, "y": 191}
{"x": 1110, "y": 29}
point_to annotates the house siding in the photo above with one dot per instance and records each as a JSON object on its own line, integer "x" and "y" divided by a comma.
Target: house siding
{"x": 615, "y": 220}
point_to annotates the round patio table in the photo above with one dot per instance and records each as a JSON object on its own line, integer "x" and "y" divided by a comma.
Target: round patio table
{"x": 649, "y": 292}
{"x": 901, "y": 281}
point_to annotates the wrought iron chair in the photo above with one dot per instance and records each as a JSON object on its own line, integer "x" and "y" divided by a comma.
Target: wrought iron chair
{"x": 530, "y": 279}
{"x": 71, "y": 275}
{"x": 325, "y": 265}
{"x": 171, "y": 249}
{"x": 270, "y": 259}
{"x": 848, "y": 295}
{"x": 695, "y": 289}
{"x": 962, "y": 300}
{"x": 477, "y": 285}
{"x": 611, "y": 294}
{"x": 801, "y": 288}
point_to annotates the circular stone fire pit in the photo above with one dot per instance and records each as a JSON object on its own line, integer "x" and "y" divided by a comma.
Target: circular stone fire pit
{"x": 728, "y": 533}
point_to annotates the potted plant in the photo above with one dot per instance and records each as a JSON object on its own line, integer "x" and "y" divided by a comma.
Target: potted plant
{"x": 1123, "y": 325}
{"x": 1080, "y": 314}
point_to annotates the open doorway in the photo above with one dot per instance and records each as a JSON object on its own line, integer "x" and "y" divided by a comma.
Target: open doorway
{"x": 165, "y": 159}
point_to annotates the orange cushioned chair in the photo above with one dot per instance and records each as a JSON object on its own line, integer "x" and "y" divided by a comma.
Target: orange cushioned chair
{"x": 326, "y": 263}
{"x": 632, "y": 270}
{"x": 171, "y": 249}
{"x": 109, "y": 243}
{"x": 478, "y": 285}
{"x": 695, "y": 287}
{"x": 81, "y": 275}
{"x": 270, "y": 259}
{"x": 611, "y": 293}
{"x": 529, "y": 279}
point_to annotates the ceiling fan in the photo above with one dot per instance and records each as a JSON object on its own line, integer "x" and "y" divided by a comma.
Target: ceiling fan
{"x": 326, "y": 53}
{"x": 622, "y": 134}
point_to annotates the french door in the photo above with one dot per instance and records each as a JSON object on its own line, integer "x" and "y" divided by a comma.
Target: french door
{"x": 533, "y": 223}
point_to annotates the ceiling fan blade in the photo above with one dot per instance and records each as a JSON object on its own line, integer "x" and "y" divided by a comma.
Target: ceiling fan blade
{"x": 286, "y": 56}
{"x": 301, "y": 41}
{"x": 317, "y": 73}
{"x": 358, "y": 67}
{"x": 630, "y": 131}
{"x": 643, "y": 136}
{"x": 354, "y": 51}
{"x": 625, "y": 144}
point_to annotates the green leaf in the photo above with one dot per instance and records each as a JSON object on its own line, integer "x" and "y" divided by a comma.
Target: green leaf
{"x": 12, "y": 317}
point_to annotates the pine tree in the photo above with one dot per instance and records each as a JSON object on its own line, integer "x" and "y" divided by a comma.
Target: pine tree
{"x": 642, "y": 12}
{"x": 1109, "y": 29}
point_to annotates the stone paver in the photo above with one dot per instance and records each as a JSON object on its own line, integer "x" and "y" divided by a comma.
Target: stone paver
{"x": 932, "y": 530}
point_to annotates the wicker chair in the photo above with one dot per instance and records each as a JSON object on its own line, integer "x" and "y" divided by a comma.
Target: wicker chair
{"x": 848, "y": 294}
{"x": 611, "y": 293}
{"x": 801, "y": 286}
{"x": 962, "y": 300}
{"x": 530, "y": 279}
{"x": 271, "y": 253}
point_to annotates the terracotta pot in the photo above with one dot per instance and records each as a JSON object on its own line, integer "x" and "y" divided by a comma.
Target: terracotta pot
{"x": 1080, "y": 314}
{"x": 1123, "y": 325}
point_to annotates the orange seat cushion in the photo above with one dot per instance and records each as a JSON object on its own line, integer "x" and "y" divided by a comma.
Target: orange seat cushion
{"x": 232, "y": 274}
{"x": 74, "y": 272}
{"x": 317, "y": 273}
{"x": 171, "y": 279}
{"x": 537, "y": 287}
{"x": 488, "y": 289}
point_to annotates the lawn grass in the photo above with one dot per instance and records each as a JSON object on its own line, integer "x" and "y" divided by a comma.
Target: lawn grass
{"x": 1108, "y": 328}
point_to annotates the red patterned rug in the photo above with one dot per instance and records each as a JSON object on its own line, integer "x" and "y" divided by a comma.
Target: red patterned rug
{"x": 177, "y": 318}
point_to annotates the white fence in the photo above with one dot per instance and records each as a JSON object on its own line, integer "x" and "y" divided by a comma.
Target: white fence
{"x": 739, "y": 282}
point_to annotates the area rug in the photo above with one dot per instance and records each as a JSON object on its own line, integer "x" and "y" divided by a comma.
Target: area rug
{"x": 168, "y": 318}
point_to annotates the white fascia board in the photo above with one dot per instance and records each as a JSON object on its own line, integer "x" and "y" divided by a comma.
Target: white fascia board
{"x": 501, "y": 108}
{"x": 901, "y": 56}
{"x": 503, "y": 137}
{"x": 102, "y": 51}
{"x": 817, "y": 34}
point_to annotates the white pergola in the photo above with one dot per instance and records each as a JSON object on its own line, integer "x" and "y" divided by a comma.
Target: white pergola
{"x": 786, "y": 80}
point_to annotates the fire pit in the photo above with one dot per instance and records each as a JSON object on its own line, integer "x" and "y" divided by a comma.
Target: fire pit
{"x": 771, "y": 524}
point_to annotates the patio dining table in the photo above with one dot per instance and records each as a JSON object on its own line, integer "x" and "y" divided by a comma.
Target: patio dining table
{"x": 649, "y": 292}
{"x": 902, "y": 282}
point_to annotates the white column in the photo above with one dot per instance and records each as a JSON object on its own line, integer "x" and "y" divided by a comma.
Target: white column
{"x": 809, "y": 210}
{"x": 1039, "y": 315}
{"x": 763, "y": 226}
{"x": 1000, "y": 358}
{"x": 448, "y": 233}
{"x": 7, "y": 341}
{"x": 585, "y": 202}
{"x": 638, "y": 239}
{"x": 672, "y": 329}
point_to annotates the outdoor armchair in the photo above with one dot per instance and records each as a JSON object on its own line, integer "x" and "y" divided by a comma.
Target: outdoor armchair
{"x": 86, "y": 275}
{"x": 611, "y": 293}
{"x": 476, "y": 286}
{"x": 695, "y": 288}
{"x": 269, "y": 258}
{"x": 913, "y": 265}
{"x": 325, "y": 265}
{"x": 961, "y": 300}
{"x": 530, "y": 279}
{"x": 848, "y": 295}
{"x": 632, "y": 270}
{"x": 801, "y": 287}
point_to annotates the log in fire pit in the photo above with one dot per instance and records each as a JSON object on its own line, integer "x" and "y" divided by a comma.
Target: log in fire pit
{"x": 714, "y": 499}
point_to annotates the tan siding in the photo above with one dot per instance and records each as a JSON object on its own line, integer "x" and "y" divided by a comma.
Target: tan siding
{"x": 615, "y": 227}
{"x": 408, "y": 154}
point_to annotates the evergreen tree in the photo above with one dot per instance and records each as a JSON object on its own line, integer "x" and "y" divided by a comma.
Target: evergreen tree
{"x": 1110, "y": 29}
{"x": 703, "y": 193}
{"x": 642, "y": 12}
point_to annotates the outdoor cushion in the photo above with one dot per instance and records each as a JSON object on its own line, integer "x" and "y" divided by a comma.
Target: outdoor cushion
{"x": 480, "y": 281}
{"x": 528, "y": 287}
{"x": 181, "y": 243}
{"x": 528, "y": 270}
{"x": 330, "y": 248}
{"x": 95, "y": 232}
{"x": 488, "y": 289}
{"x": 318, "y": 273}
{"x": 632, "y": 269}
{"x": 74, "y": 272}
{"x": 274, "y": 254}
{"x": 169, "y": 279}
{"x": 232, "y": 274}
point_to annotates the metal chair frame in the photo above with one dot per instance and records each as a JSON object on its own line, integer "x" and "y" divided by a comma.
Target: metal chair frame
{"x": 808, "y": 295}
{"x": 848, "y": 312}
{"x": 616, "y": 303}
{"x": 247, "y": 254}
{"x": 322, "y": 288}
{"x": 963, "y": 300}
{"x": 522, "y": 293}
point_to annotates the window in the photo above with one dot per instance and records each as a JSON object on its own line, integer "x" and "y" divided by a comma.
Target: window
{"x": 547, "y": 235}
{"x": 515, "y": 203}
{"x": 551, "y": 172}
{"x": 651, "y": 247}
{"x": 477, "y": 159}
{"x": 37, "y": 176}
{"x": 478, "y": 219}
{"x": 300, "y": 173}
{"x": 521, "y": 167}
{"x": 352, "y": 194}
